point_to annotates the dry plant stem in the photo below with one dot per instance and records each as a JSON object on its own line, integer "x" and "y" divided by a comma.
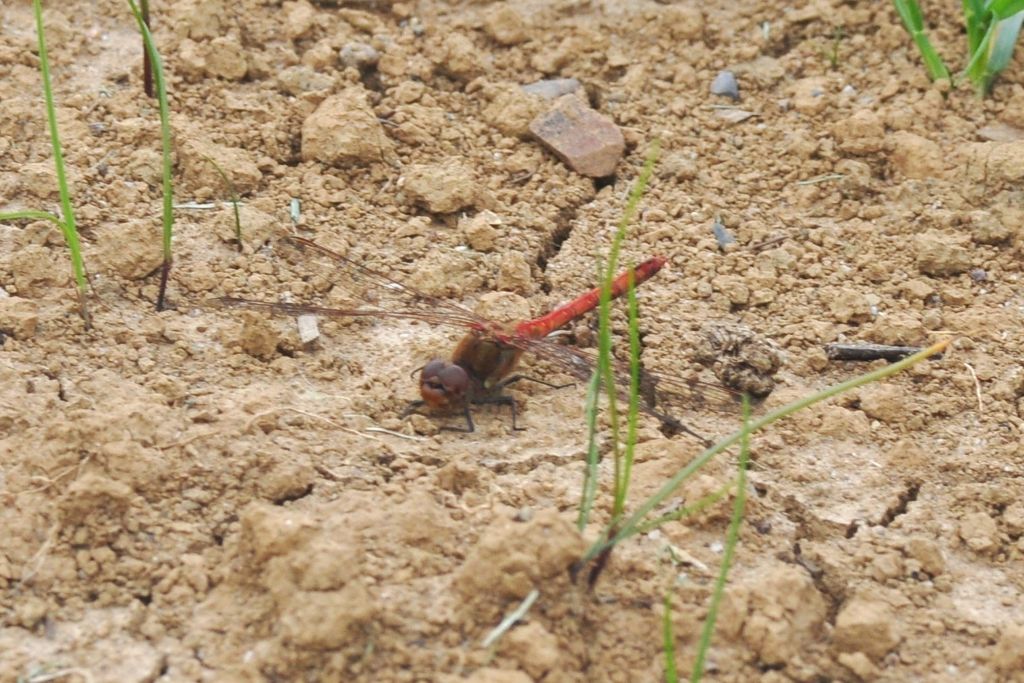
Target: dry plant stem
{"x": 632, "y": 524}
{"x": 147, "y": 66}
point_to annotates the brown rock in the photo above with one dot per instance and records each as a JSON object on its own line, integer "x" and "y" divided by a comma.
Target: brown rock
{"x": 928, "y": 554}
{"x": 938, "y": 254}
{"x": 225, "y": 58}
{"x": 504, "y": 25}
{"x": 514, "y": 273}
{"x": 786, "y": 614}
{"x": 979, "y": 532}
{"x": 534, "y": 647}
{"x": 131, "y": 248}
{"x": 1008, "y": 654}
{"x": 883, "y": 402}
{"x": 683, "y": 22}
{"x": 850, "y": 306}
{"x": 809, "y": 95}
{"x": 480, "y": 230}
{"x": 512, "y": 109}
{"x": 441, "y": 188}
{"x": 862, "y": 133}
{"x": 326, "y": 620}
{"x": 916, "y": 157}
{"x": 866, "y": 626}
{"x": 18, "y": 317}
{"x": 344, "y": 128}
{"x": 986, "y": 228}
{"x": 38, "y": 270}
{"x": 588, "y": 142}
{"x": 196, "y": 151}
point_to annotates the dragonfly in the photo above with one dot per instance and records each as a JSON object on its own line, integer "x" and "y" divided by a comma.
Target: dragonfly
{"x": 483, "y": 363}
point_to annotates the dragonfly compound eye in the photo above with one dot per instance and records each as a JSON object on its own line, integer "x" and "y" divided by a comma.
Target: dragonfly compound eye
{"x": 443, "y": 384}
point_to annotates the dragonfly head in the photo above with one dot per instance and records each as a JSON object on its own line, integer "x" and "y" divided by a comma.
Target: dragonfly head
{"x": 443, "y": 384}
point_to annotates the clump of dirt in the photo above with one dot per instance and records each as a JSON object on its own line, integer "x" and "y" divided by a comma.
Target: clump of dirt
{"x": 205, "y": 494}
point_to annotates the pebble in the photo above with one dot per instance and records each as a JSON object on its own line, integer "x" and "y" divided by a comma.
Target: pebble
{"x": 344, "y": 128}
{"x": 725, "y": 84}
{"x": 309, "y": 328}
{"x": 358, "y": 55}
{"x": 722, "y": 235}
{"x": 866, "y": 626}
{"x": 552, "y": 88}
{"x": 586, "y": 141}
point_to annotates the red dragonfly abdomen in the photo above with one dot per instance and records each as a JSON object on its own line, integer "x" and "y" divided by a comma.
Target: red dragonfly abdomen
{"x": 563, "y": 315}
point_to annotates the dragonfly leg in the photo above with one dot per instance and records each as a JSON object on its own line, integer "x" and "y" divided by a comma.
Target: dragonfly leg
{"x": 515, "y": 378}
{"x": 414, "y": 406}
{"x": 503, "y": 400}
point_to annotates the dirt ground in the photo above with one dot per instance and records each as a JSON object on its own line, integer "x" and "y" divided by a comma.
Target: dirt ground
{"x": 197, "y": 495}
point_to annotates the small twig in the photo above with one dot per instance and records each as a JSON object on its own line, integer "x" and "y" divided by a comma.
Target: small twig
{"x": 61, "y": 673}
{"x": 868, "y": 352}
{"x": 390, "y": 432}
{"x": 279, "y": 409}
{"x": 513, "y": 616}
{"x": 977, "y": 386}
{"x": 767, "y": 243}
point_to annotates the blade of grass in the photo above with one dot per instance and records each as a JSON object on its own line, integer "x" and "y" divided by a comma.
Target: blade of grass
{"x": 1000, "y": 51}
{"x": 624, "y": 472}
{"x": 974, "y": 21}
{"x": 165, "y": 136}
{"x": 668, "y": 641}
{"x": 67, "y": 224}
{"x": 1004, "y": 9}
{"x": 631, "y": 525}
{"x": 910, "y": 13}
{"x": 603, "y": 374}
{"x": 732, "y": 537}
{"x": 234, "y": 199}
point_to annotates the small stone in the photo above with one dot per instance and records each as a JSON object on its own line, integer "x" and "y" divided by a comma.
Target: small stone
{"x": 978, "y": 274}
{"x": 725, "y": 85}
{"x": 514, "y": 273}
{"x": 225, "y": 58}
{"x": 344, "y": 128}
{"x": 460, "y": 59}
{"x": 986, "y": 228}
{"x": 809, "y": 95}
{"x": 722, "y": 235}
{"x": 928, "y": 554}
{"x": 937, "y": 254}
{"x": 586, "y": 141}
{"x": 309, "y": 328}
{"x": 299, "y": 79}
{"x": 1013, "y": 518}
{"x": 866, "y": 626}
{"x": 299, "y": 18}
{"x": 257, "y": 226}
{"x": 979, "y": 532}
{"x": 850, "y": 306}
{"x": 489, "y": 674}
{"x": 683, "y": 22}
{"x": 1008, "y": 654}
{"x": 196, "y": 151}
{"x": 480, "y": 232}
{"x": 552, "y": 88}
{"x": 505, "y": 26}
{"x": 883, "y": 402}
{"x": 861, "y": 133}
{"x": 860, "y": 664}
{"x": 18, "y": 317}
{"x": 130, "y": 248}
{"x": 441, "y": 188}
{"x": 359, "y": 55}
{"x": 916, "y": 157}
{"x": 533, "y": 647}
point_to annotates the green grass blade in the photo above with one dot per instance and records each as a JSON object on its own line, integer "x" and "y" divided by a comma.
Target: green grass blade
{"x": 631, "y": 525}
{"x": 668, "y": 641}
{"x": 732, "y": 537}
{"x": 32, "y": 215}
{"x": 165, "y": 136}
{"x": 622, "y": 487}
{"x": 1004, "y": 9}
{"x": 974, "y": 21}
{"x": 68, "y": 225}
{"x": 603, "y": 374}
{"x": 590, "y": 474}
{"x": 1001, "y": 51}
{"x": 235, "y": 200}
{"x": 913, "y": 21}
